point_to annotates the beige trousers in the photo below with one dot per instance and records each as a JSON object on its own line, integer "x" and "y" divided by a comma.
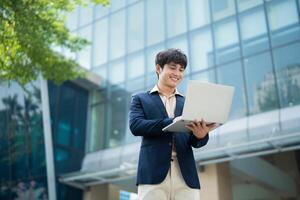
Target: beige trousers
{"x": 172, "y": 188}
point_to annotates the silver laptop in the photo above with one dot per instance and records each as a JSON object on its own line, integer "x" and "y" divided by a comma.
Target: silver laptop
{"x": 207, "y": 101}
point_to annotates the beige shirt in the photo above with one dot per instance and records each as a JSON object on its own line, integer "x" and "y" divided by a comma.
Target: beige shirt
{"x": 169, "y": 103}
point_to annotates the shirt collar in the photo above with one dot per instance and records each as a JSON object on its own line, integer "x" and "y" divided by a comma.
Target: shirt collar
{"x": 156, "y": 89}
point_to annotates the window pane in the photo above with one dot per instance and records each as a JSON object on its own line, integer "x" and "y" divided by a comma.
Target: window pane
{"x": 100, "y": 42}
{"x": 261, "y": 88}
{"x": 231, "y": 74}
{"x": 151, "y": 80}
{"x": 226, "y": 37}
{"x": 86, "y": 15}
{"x": 151, "y": 54}
{"x": 136, "y": 65}
{"x": 100, "y": 11}
{"x": 155, "y": 21}
{"x": 287, "y": 64}
{"x": 131, "y": 1}
{"x": 135, "y": 27}
{"x": 198, "y": 13}
{"x": 180, "y": 43}
{"x": 222, "y": 9}
{"x": 247, "y": 4}
{"x": 118, "y": 119}
{"x": 206, "y": 76}
{"x": 136, "y": 84}
{"x": 254, "y": 39}
{"x": 116, "y": 5}
{"x": 201, "y": 50}
{"x": 176, "y": 23}
{"x": 72, "y": 19}
{"x": 102, "y": 72}
{"x": 117, "y": 72}
{"x": 283, "y": 20}
{"x": 84, "y": 56}
{"x": 182, "y": 87}
{"x": 97, "y": 131}
{"x": 117, "y": 35}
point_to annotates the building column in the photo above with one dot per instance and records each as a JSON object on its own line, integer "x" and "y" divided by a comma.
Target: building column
{"x": 215, "y": 182}
{"x": 104, "y": 191}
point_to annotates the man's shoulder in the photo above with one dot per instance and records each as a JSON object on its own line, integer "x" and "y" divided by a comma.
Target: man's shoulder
{"x": 140, "y": 94}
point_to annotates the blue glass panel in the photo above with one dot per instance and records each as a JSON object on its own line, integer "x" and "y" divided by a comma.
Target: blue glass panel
{"x": 260, "y": 83}
{"x": 231, "y": 74}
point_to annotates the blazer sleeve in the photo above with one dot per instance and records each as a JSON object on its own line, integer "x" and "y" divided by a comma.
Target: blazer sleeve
{"x": 140, "y": 126}
{"x": 197, "y": 143}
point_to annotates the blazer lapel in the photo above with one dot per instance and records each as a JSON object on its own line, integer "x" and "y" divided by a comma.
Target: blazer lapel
{"x": 158, "y": 103}
{"x": 179, "y": 105}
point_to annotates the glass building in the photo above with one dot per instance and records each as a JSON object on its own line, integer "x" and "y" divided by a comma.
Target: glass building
{"x": 249, "y": 44}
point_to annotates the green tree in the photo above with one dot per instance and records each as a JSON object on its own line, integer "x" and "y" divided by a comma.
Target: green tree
{"x": 29, "y": 29}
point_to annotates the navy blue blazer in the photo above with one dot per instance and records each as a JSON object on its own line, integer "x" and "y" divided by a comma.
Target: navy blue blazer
{"x": 147, "y": 117}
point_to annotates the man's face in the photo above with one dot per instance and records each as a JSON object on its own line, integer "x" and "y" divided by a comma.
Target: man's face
{"x": 171, "y": 75}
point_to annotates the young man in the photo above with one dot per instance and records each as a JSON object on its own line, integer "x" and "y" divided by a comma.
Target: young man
{"x": 166, "y": 168}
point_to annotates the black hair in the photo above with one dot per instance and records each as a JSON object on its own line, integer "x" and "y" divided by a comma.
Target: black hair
{"x": 171, "y": 55}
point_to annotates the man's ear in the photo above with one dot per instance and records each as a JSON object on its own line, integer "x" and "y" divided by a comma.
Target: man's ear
{"x": 158, "y": 68}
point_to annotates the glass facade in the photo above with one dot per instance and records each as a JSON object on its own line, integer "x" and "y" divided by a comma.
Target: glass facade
{"x": 68, "y": 110}
{"x": 248, "y": 44}
{"x": 22, "y": 148}
{"x": 22, "y": 151}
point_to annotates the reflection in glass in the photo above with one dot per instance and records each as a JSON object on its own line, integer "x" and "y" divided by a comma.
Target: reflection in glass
{"x": 22, "y": 155}
{"x": 201, "y": 50}
{"x": 176, "y": 23}
{"x": 261, "y": 87}
{"x": 231, "y": 74}
{"x": 287, "y": 64}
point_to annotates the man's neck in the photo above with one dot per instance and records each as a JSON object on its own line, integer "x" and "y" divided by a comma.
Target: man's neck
{"x": 165, "y": 90}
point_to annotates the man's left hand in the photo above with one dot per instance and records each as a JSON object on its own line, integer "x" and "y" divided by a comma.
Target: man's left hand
{"x": 200, "y": 128}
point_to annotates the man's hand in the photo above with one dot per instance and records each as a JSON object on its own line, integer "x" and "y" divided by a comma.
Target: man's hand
{"x": 200, "y": 128}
